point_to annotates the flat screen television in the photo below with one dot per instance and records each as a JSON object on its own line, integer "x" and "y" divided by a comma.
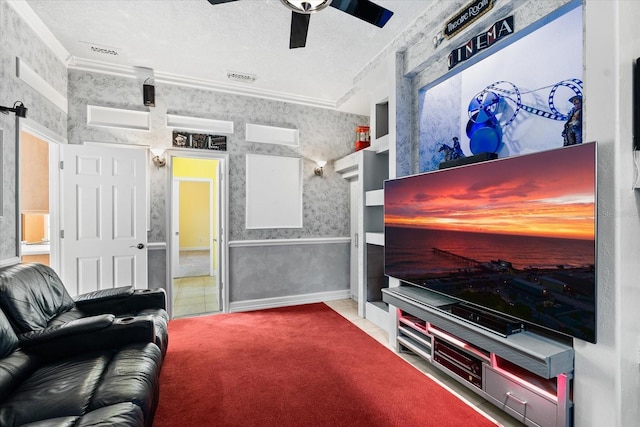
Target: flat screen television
{"x": 514, "y": 237}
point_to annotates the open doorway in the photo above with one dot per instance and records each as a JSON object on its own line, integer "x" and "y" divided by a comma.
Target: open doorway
{"x": 39, "y": 182}
{"x": 196, "y": 228}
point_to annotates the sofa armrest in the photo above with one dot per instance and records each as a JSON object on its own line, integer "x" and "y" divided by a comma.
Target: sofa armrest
{"x": 84, "y": 325}
{"x": 89, "y": 335}
{"x": 124, "y": 302}
{"x": 103, "y": 295}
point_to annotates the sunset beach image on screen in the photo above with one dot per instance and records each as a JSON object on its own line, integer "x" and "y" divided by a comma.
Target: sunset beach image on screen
{"x": 515, "y": 231}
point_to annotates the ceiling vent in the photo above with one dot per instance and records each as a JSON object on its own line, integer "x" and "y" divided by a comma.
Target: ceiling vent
{"x": 241, "y": 77}
{"x": 97, "y": 49}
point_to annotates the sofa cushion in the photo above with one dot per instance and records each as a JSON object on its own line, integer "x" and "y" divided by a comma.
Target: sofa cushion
{"x": 8, "y": 338}
{"x": 32, "y": 295}
{"x": 121, "y": 415}
{"x": 15, "y": 365}
{"x": 54, "y": 422}
{"x": 14, "y": 369}
{"x": 60, "y": 389}
{"x": 132, "y": 376}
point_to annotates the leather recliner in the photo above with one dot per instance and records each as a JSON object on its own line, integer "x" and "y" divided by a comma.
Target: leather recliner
{"x": 61, "y": 381}
{"x": 37, "y": 304}
{"x": 91, "y": 361}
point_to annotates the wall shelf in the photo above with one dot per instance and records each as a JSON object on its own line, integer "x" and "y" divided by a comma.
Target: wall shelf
{"x": 382, "y": 144}
{"x": 374, "y": 198}
{"x": 375, "y": 238}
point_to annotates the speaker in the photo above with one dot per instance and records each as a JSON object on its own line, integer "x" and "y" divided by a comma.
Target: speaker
{"x": 149, "y": 95}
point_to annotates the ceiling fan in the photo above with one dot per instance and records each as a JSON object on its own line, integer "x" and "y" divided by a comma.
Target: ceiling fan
{"x": 301, "y": 12}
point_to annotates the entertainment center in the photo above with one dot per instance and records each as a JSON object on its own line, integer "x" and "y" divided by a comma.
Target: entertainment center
{"x": 525, "y": 374}
{"x": 494, "y": 274}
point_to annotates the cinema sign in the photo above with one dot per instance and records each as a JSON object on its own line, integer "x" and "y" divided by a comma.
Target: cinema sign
{"x": 499, "y": 30}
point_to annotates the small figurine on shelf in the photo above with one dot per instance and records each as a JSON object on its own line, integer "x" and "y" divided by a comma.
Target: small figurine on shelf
{"x": 362, "y": 137}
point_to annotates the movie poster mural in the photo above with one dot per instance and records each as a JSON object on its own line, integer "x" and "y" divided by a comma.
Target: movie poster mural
{"x": 524, "y": 98}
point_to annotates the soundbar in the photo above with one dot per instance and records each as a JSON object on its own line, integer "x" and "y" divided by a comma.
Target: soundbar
{"x": 482, "y": 157}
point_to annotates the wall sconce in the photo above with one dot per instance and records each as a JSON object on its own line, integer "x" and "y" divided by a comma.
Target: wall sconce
{"x": 18, "y": 108}
{"x": 149, "y": 93}
{"x": 158, "y": 158}
{"x": 320, "y": 169}
{"x": 437, "y": 39}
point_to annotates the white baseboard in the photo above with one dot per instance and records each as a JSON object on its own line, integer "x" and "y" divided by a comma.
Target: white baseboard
{"x": 260, "y": 304}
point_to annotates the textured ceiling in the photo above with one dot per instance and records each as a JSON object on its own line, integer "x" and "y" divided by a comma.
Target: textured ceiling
{"x": 194, "y": 39}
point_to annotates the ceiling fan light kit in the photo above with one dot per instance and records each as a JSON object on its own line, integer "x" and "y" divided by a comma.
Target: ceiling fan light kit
{"x": 309, "y": 6}
{"x": 301, "y": 11}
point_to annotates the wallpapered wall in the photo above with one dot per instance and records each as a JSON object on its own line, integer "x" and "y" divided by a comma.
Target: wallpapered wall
{"x": 324, "y": 134}
{"x": 18, "y": 40}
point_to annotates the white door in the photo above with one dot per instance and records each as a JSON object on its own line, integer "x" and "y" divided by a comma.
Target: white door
{"x": 104, "y": 244}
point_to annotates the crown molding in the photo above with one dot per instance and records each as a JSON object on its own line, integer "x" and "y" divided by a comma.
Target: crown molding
{"x": 23, "y": 9}
{"x": 90, "y": 65}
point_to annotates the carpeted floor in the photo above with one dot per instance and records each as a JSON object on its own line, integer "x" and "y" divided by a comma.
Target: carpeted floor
{"x": 295, "y": 366}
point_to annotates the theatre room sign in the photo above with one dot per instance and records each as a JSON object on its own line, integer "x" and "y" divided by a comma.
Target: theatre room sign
{"x": 466, "y": 16}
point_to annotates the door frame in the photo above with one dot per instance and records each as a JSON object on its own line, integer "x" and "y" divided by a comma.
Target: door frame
{"x": 54, "y": 141}
{"x": 223, "y": 218}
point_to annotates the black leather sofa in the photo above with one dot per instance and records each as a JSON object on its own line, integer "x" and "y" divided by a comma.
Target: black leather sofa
{"x": 93, "y": 360}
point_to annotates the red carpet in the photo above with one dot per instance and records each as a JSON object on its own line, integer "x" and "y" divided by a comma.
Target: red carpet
{"x": 295, "y": 366}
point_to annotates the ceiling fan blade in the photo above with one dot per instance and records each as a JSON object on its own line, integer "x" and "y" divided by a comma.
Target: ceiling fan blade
{"x": 220, "y": 1}
{"x": 299, "y": 29}
{"x": 365, "y": 10}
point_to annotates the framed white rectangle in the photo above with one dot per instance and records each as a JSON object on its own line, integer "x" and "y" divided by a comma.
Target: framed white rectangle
{"x": 271, "y": 135}
{"x": 273, "y": 192}
{"x": 117, "y": 118}
{"x": 198, "y": 124}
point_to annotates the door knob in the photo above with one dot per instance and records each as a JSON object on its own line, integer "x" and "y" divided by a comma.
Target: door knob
{"x": 139, "y": 246}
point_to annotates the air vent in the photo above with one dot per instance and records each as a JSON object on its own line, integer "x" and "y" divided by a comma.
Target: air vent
{"x": 98, "y": 49}
{"x": 241, "y": 77}
{"x": 104, "y": 50}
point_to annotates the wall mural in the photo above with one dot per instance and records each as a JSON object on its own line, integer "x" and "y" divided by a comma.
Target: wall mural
{"x": 524, "y": 98}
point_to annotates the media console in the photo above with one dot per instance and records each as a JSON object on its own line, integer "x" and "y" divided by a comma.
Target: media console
{"x": 525, "y": 374}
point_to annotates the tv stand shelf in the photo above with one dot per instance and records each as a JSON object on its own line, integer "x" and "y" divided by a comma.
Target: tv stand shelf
{"x": 525, "y": 374}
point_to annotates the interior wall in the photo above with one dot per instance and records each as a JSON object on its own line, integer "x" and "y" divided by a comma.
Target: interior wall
{"x": 324, "y": 134}
{"x": 34, "y": 174}
{"x": 194, "y": 198}
{"x": 17, "y": 39}
{"x": 195, "y": 215}
{"x": 611, "y": 367}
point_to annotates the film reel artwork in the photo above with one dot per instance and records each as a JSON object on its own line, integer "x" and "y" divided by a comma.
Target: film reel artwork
{"x": 500, "y": 106}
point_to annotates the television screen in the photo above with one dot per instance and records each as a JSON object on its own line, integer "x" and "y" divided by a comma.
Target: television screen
{"x": 515, "y": 236}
